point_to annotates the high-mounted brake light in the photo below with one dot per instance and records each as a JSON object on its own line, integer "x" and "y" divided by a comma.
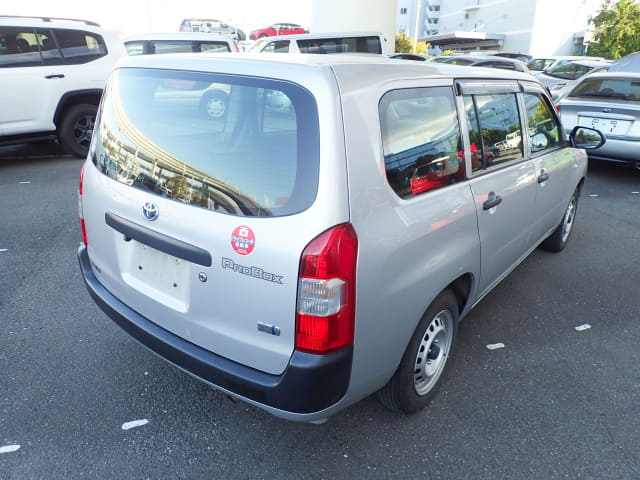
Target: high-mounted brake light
{"x": 80, "y": 212}
{"x": 325, "y": 314}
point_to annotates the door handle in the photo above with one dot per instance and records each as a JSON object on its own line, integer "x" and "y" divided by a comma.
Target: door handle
{"x": 493, "y": 201}
{"x": 544, "y": 176}
{"x": 57, "y": 75}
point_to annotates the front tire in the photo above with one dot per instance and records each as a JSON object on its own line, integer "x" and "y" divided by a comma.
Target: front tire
{"x": 421, "y": 369}
{"x": 215, "y": 104}
{"x": 560, "y": 236}
{"x": 76, "y": 129}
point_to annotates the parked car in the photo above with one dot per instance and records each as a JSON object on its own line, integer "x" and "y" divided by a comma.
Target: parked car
{"x": 291, "y": 265}
{"x": 628, "y": 63}
{"x": 610, "y": 103}
{"x": 211, "y": 25}
{"x": 410, "y": 56}
{"x": 154, "y": 43}
{"x": 558, "y": 77}
{"x": 540, "y": 64}
{"x": 351, "y": 42}
{"x": 489, "y": 61}
{"x": 523, "y": 57}
{"x": 277, "y": 29}
{"x": 52, "y": 74}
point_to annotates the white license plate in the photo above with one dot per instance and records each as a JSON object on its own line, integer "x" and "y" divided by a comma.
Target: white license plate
{"x": 160, "y": 276}
{"x": 608, "y": 126}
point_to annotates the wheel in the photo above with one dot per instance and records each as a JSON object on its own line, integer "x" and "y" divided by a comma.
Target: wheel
{"x": 214, "y": 104}
{"x": 263, "y": 35}
{"x": 422, "y": 366}
{"x": 76, "y": 128}
{"x": 560, "y": 236}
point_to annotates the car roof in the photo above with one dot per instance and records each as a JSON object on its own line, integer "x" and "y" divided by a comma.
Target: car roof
{"x": 179, "y": 36}
{"x": 628, "y": 63}
{"x": 354, "y": 70}
{"x": 482, "y": 58}
{"x": 73, "y": 23}
{"x": 612, "y": 75}
{"x": 311, "y": 36}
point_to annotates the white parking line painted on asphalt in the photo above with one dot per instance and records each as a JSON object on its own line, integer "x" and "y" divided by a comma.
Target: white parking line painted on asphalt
{"x": 134, "y": 424}
{"x": 25, "y": 183}
{"x": 635, "y": 193}
{"x": 495, "y": 346}
{"x": 594, "y": 195}
{"x": 581, "y": 328}
{"x": 9, "y": 448}
{"x": 4, "y": 249}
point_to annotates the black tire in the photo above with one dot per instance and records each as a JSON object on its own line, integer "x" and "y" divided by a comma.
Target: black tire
{"x": 76, "y": 129}
{"x": 263, "y": 35}
{"x": 422, "y": 367}
{"x": 560, "y": 236}
{"x": 214, "y": 104}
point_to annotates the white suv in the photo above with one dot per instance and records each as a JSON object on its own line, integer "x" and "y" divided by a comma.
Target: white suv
{"x": 52, "y": 74}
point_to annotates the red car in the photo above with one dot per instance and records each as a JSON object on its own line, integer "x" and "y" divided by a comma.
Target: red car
{"x": 277, "y": 29}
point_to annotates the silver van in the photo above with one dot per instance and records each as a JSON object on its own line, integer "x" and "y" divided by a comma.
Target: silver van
{"x": 321, "y": 240}
{"x": 353, "y": 42}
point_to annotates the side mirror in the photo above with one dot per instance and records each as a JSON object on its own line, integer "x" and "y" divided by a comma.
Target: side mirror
{"x": 587, "y": 138}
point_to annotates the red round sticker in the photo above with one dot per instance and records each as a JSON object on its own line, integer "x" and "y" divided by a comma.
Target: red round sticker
{"x": 243, "y": 240}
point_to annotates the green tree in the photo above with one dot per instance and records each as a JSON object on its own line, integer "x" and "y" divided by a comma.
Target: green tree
{"x": 617, "y": 29}
{"x": 404, "y": 44}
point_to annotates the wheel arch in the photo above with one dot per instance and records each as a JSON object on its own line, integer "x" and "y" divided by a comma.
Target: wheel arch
{"x": 76, "y": 97}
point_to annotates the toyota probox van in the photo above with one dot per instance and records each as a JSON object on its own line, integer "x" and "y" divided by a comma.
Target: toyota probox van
{"x": 283, "y": 252}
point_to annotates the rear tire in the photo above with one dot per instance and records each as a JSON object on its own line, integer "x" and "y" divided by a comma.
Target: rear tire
{"x": 422, "y": 367}
{"x": 76, "y": 129}
{"x": 214, "y": 104}
{"x": 560, "y": 236}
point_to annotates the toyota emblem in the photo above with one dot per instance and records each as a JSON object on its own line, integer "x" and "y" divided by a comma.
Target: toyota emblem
{"x": 150, "y": 211}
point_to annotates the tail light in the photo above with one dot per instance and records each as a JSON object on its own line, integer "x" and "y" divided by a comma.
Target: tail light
{"x": 325, "y": 317}
{"x": 80, "y": 212}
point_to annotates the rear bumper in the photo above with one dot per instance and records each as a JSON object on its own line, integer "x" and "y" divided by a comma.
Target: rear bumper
{"x": 309, "y": 384}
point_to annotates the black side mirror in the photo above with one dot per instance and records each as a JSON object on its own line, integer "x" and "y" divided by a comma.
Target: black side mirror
{"x": 587, "y": 138}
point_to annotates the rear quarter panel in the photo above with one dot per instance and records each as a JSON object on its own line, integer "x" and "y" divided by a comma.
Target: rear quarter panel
{"x": 409, "y": 250}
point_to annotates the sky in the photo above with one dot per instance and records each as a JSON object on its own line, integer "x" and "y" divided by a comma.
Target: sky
{"x": 140, "y": 16}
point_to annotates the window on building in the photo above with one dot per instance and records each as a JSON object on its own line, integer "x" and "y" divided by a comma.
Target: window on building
{"x": 403, "y": 11}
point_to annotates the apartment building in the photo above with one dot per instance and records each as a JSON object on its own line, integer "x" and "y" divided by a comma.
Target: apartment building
{"x": 536, "y": 27}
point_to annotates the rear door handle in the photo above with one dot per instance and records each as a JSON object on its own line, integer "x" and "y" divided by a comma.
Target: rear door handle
{"x": 56, "y": 75}
{"x": 544, "y": 176}
{"x": 493, "y": 201}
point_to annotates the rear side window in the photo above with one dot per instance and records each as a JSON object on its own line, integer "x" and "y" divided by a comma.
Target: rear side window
{"x": 421, "y": 140}
{"x": 214, "y": 47}
{"x": 135, "y": 48}
{"x": 495, "y": 133}
{"x": 237, "y": 145}
{"x": 80, "y": 47}
{"x": 172, "y": 47}
{"x": 369, "y": 44}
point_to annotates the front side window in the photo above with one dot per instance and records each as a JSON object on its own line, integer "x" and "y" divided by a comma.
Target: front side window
{"x": 494, "y": 129}
{"x": 277, "y": 47}
{"x": 421, "y": 140}
{"x": 236, "y": 145}
{"x": 19, "y": 48}
{"x": 214, "y": 47}
{"x": 80, "y": 47}
{"x": 544, "y": 130}
{"x": 135, "y": 48}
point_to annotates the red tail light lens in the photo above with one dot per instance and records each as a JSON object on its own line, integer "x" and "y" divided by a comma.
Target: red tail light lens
{"x": 80, "y": 212}
{"x": 325, "y": 318}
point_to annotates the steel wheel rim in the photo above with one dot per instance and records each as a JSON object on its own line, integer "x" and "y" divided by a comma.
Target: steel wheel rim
{"x": 215, "y": 107}
{"x": 567, "y": 222}
{"x": 433, "y": 352}
{"x": 83, "y": 130}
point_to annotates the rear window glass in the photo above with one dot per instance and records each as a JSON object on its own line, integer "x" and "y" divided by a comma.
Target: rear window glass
{"x": 613, "y": 88}
{"x": 237, "y": 145}
{"x": 341, "y": 45}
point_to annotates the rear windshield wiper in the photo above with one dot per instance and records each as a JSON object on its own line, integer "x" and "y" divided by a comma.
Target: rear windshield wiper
{"x": 623, "y": 96}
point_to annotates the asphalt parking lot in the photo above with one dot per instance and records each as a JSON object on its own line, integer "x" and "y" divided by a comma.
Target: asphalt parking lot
{"x": 559, "y": 399}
